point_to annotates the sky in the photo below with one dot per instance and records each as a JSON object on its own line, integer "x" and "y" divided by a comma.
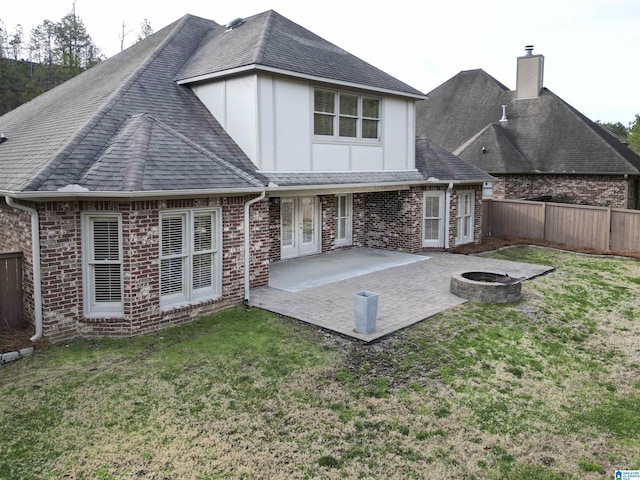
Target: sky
{"x": 591, "y": 47}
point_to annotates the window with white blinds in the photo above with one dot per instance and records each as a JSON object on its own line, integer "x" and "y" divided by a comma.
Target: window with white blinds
{"x": 189, "y": 266}
{"x": 102, "y": 264}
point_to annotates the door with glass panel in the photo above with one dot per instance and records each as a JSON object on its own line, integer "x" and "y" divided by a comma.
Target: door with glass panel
{"x": 299, "y": 226}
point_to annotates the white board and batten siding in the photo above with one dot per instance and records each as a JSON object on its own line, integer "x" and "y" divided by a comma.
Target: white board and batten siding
{"x": 271, "y": 119}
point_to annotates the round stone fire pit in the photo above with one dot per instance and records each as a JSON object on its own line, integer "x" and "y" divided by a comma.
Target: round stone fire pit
{"x": 486, "y": 287}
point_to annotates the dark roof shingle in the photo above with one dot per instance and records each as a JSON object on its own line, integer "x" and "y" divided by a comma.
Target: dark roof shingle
{"x": 542, "y": 135}
{"x": 271, "y": 40}
{"x": 57, "y": 139}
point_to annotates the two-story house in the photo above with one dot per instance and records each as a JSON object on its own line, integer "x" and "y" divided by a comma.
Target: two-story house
{"x": 159, "y": 185}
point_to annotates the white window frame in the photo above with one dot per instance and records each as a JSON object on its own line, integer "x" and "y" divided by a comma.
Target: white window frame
{"x": 344, "y": 238}
{"x": 336, "y": 115}
{"x": 463, "y": 216}
{"x": 92, "y": 307}
{"x": 441, "y": 218}
{"x": 187, "y": 294}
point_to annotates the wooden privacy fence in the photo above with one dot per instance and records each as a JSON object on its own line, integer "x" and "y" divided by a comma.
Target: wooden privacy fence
{"x": 11, "y": 310}
{"x": 582, "y": 226}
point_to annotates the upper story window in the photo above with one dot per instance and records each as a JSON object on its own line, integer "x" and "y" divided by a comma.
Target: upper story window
{"x": 346, "y": 115}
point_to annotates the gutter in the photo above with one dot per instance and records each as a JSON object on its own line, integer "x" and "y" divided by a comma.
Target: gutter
{"x": 37, "y": 272}
{"x": 70, "y": 195}
{"x": 247, "y": 253}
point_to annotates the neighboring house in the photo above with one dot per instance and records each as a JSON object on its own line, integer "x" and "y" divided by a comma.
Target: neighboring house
{"x": 533, "y": 142}
{"x": 159, "y": 185}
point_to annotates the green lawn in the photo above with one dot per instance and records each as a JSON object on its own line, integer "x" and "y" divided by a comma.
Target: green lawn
{"x": 548, "y": 388}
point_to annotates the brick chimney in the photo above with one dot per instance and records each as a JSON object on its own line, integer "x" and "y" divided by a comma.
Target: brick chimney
{"x": 529, "y": 75}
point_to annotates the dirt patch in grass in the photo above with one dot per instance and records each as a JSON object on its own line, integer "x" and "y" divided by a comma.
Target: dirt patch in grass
{"x": 13, "y": 340}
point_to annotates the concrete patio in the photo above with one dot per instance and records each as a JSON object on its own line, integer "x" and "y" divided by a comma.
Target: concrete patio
{"x": 318, "y": 289}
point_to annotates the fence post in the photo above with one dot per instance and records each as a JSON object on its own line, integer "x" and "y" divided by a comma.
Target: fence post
{"x": 607, "y": 231}
{"x": 544, "y": 221}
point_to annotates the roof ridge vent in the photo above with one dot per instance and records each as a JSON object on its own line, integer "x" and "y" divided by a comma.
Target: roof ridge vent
{"x": 235, "y": 23}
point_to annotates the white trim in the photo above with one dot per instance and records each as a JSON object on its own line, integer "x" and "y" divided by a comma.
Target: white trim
{"x": 167, "y": 194}
{"x": 93, "y": 308}
{"x": 289, "y": 73}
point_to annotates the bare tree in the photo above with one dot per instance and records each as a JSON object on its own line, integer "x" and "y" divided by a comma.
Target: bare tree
{"x": 123, "y": 35}
{"x": 145, "y": 30}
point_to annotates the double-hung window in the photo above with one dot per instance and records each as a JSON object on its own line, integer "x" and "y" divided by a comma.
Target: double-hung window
{"x": 102, "y": 264}
{"x": 346, "y": 116}
{"x": 433, "y": 219}
{"x": 343, "y": 219}
{"x": 466, "y": 201}
{"x": 189, "y": 256}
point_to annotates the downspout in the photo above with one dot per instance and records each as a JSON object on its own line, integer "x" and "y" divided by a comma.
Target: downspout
{"x": 247, "y": 253}
{"x": 37, "y": 273}
{"x": 447, "y": 202}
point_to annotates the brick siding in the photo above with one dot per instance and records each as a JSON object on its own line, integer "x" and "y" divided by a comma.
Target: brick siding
{"x": 601, "y": 190}
{"x": 387, "y": 220}
{"x": 61, "y": 254}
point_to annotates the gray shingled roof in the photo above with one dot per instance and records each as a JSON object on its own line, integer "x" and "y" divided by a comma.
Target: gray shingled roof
{"x": 142, "y": 158}
{"x": 542, "y": 135}
{"x": 125, "y": 125}
{"x": 77, "y": 132}
{"x": 435, "y": 162}
{"x": 271, "y": 40}
{"x": 307, "y": 179}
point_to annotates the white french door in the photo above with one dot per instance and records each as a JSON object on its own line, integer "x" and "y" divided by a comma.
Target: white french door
{"x": 299, "y": 226}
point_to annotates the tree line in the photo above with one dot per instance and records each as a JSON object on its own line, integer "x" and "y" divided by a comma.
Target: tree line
{"x": 53, "y": 53}
{"x": 630, "y": 133}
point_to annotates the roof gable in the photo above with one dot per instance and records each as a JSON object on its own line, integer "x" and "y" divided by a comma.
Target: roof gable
{"x": 271, "y": 41}
{"x": 459, "y": 108}
{"x": 493, "y": 151}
